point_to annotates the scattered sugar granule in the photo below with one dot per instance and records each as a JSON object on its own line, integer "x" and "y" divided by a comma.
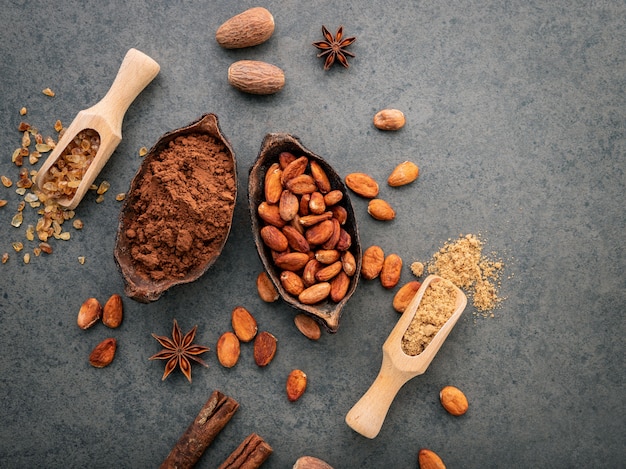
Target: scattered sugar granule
{"x": 463, "y": 263}
{"x": 417, "y": 268}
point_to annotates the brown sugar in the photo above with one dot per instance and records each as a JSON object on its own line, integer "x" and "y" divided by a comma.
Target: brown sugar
{"x": 436, "y": 307}
{"x": 463, "y": 263}
{"x": 66, "y": 174}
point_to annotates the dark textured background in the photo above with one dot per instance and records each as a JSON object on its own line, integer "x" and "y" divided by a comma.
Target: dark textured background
{"x": 516, "y": 116}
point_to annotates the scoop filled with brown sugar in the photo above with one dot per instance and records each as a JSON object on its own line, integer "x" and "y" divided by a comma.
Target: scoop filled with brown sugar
{"x": 405, "y": 353}
{"x": 437, "y": 305}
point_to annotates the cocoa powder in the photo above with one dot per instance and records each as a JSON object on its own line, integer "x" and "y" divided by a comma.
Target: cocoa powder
{"x": 180, "y": 211}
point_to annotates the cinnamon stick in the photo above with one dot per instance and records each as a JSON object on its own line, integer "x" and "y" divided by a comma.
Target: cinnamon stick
{"x": 213, "y": 416}
{"x": 250, "y": 454}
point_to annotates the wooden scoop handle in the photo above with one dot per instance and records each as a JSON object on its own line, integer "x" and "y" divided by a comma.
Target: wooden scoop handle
{"x": 368, "y": 414}
{"x": 135, "y": 73}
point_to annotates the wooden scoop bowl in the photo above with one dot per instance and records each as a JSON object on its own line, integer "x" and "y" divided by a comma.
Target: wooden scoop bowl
{"x": 368, "y": 414}
{"x": 325, "y": 312}
{"x": 105, "y": 117}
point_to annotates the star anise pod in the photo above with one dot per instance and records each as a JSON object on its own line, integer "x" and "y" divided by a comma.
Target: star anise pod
{"x": 334, "y": 48}
{"x": 179, "y": 350}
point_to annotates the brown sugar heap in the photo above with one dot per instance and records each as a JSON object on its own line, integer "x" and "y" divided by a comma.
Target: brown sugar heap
{"x": 463, "y": 263}
{"x": 436, "y": 307}
{"x": 179, "y": 214}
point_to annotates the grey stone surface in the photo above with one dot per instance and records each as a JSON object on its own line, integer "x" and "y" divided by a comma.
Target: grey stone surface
{"x": 516, "y": 116}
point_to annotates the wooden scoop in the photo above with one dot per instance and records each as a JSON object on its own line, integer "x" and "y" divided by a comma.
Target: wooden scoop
{"x": 368, "y": 414}
{"x": 105, "y": 117}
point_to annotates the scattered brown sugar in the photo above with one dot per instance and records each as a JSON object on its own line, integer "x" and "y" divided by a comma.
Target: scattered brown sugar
{"x": 51, "y": 215}
{"x": 463, "y": 263}
{"x": 417, "y": 268}
{"x": 436, "y": 307}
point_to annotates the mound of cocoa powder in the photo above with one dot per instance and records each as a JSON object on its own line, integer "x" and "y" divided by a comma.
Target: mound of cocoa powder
{"x": 178, "y": 213}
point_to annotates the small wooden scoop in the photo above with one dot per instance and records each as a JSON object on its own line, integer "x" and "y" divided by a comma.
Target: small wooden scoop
{"x": 368, "y": 414}
{"x": 105, "y": 117}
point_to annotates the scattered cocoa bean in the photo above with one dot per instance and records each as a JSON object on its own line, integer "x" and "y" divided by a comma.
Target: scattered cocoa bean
{"x": 228, "y": 349}
{"x": 113, "y": 312}
{"x": 102, "y": 355}
{"x": 243, "y": 323}
{"x": 89, "y": 313}
{"x": 308, "y": 326}
{"x": 265, "y": 345}
{"x": 296, "y": 385}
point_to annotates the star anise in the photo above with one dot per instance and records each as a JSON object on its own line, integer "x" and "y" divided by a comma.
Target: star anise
{"x": 334, "y": 48}
{"x": 179, "y": 350}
